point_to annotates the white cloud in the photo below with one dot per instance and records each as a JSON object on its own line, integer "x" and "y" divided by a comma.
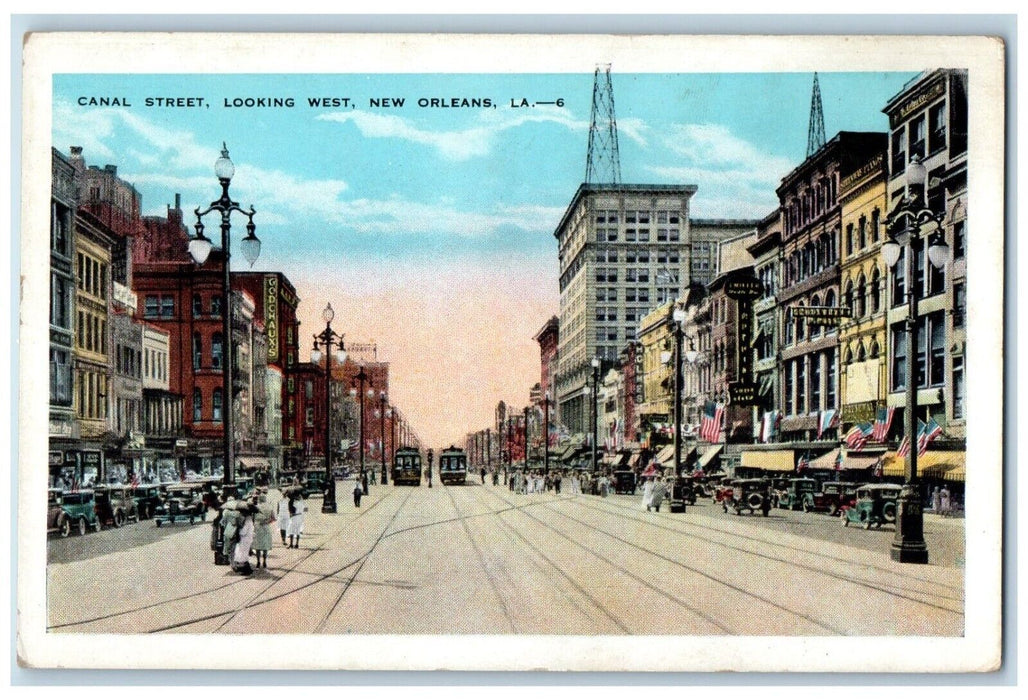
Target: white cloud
{"x": 477, "y": 140}
{"x": 735, "y": 177}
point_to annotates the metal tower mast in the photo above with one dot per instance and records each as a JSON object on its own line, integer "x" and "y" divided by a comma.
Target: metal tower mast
{"x": 816, "y": 130}
{"x": 603, "y": 164}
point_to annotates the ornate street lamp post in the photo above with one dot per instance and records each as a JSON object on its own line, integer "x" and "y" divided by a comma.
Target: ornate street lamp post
{"x": 909, "y": 221}
{"x": 595, "y": 400}
{"x": 382, "y": 432}
{"x": 690, "y": 356}
{"x": 525, "y": 418}
{"x": 546, "y": 432}
{"x": 327, "y": 339}
{"x": 362, "y": 377}
{"x": 200, "y": 249}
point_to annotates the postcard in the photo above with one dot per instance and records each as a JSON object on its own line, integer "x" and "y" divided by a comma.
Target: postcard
{"x": 520, "y": 352}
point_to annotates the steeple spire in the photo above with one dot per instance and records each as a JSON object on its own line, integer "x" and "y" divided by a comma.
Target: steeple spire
{"x": 816, "y": 130}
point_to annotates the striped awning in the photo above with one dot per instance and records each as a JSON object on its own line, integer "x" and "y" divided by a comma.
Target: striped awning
{"x": 633, "y": 460}
{"x": 946, "y": 465}
{"x": 825, "y": 461}
{"x": 769, "y": 460}
{"x": 665, "y": 456}
{"x": 710, "y": 454}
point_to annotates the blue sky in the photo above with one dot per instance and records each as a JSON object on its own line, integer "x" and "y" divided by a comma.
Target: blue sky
{"x": 391, "y": 203}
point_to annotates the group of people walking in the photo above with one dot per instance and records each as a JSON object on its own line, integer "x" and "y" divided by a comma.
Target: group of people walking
{"x": 557, "y": 482}
{"x": 243, "y": 528}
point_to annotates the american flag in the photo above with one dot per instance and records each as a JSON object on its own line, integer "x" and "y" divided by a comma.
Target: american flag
{"x": 838, "y": 461}
{"x": 928, "y": 433}
{"x": 882, "y": 423}
{"x": 827, "y": 419}
{"x": 804, "y": 462}
{"x": 710, "y": 424}
{"x": 858, "y": 435}
{"x": 904, "y": 448}
{"x": 879, "y": 467}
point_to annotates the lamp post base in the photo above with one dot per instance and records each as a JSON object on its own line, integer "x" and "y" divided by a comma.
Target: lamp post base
{"x": 908, "y": 547}
{"x": 328, "y": 505}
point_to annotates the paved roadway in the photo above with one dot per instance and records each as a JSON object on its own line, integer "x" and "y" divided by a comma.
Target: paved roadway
{"x": 481, "y": 559}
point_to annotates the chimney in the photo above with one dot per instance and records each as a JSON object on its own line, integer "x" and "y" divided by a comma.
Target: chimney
{"x": 112, "y": 169}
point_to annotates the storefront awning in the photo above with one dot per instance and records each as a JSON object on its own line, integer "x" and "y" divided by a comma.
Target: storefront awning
{"x": 633, "y": 460}
{"x": 666, "y": 456}
{"x": 947, "y": 465}
{"x": 254, "y": 463}
{"x": 710, "y": 454}
{"x": 825, "y": 461}
{"x": 860, "y": 460}
{"x": 769, "y": 460}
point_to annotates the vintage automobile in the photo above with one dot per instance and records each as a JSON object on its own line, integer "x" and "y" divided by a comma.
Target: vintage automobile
{"x": 181, "y": 502}
{"x": 80, "y": 510}
{"x": 115, "y": 505}
{"x": 680, "y": 493}
{"x": 833, "y": 497}
{"x": 244, "y": 486}
{"x": 314, "y": 482}
{"x": 56, "y": 519}
{"x": 750, "y": 495}
{"x": 625, "y": 481}
{"x": 795, "y": 491}
{"x": 147, "y": 499}
{"x": 876, "y": 504}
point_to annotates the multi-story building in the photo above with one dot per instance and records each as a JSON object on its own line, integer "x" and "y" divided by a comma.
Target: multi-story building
{"x": 655, "y": 342}
{"x": 715, "y": 244}
{"x": 91, "y": 357}
{"x": 862, "y": 335}
{"x": 629, "y": 367}
{"x": 620, "y": 249}
{"x": 811, "y": 232}
{"x": 62, "y": 301}
{"x": 928, "y": 119}
{"x": 767, "y": 265}
{"x": 548, "y": 338}
{"x": 126, "y": 419}
{"x": 162, "y": 409}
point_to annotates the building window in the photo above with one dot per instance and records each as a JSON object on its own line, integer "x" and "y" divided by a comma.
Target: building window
{"x": 918, "y": 132}
{"x": 197, "y": 305}
{"x": 959, "y": 304}
{"x": 216, "y": 339}
{"x": 788, "y": 389}
{"x": 849, "y": 239}
{"x": 937, "y": 127}
{"x": 197, "y": 405}
{"x": 899, "y": 150}
{"x": 876, "y": 225}
{"x": 152, "y": 306}
{"x": 899, "y": 279}
{"x": 899, "y": 358}
{"x": 197, "y": 351}
{"x": 876, "y": 291}
{"x": 216, "y": 405}
{"x": 167, "y": 307}
{"x": 308, "y": 389}
{"x": 815, "y": 381}
{"x": 801, "y": 385}
{"x": 309, "y": 416}
{"x": 959, "y": 397}
{"x": 859, "y": 307}
{"x": 937, "y": 361}
{"x": 862, "y": 232}
{"x": 959, "y": 239}
{"x": 830, "y": 379}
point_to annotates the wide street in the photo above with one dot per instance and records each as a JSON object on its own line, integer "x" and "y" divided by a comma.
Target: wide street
{"x": 482, "y": 559}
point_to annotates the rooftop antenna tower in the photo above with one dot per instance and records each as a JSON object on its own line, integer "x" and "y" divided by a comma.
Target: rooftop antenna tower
{"x": 603, "y": 163}
{"x": 816, "y": 130}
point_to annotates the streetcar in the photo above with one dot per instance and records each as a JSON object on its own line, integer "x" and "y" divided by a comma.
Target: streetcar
{"x": 407, "y": 467}
{"x": 453, "y": 466}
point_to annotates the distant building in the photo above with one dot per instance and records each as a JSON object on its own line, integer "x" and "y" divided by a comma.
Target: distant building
{"x": 62, "y": 301}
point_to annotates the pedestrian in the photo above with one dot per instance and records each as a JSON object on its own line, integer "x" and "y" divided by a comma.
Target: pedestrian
{"x": 557, "y": 482}
{"x": 483, "y": 475}
{"x": 283, "y": 517}
{"x": 657, "y": 495}
{"x": 297, "y": 509}
{"x": 232, "y": 520}
{"x": 936, "y": 500}
{"x": 357, "y": 493}
{"x": 496, "y": 478}
{"x": 241, "y": 554}
{"x": 373, "y": 481}
{"x": 944, "y": 502}
{"x": 263, "y": 539}
{"x": 647, "y": 492}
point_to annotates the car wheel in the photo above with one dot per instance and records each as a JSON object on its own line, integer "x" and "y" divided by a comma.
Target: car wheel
{"x": 65, "y": 528}
{"x": 157, "y": 523}
{"x": 889, "y": 512}
{"x": 82, "y": 526}
{"x": 97, "y": 525}
{"x": 119, "y": 519}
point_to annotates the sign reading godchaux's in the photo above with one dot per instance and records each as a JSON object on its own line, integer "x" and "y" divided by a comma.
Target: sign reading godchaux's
{"x": 823, "y": 315}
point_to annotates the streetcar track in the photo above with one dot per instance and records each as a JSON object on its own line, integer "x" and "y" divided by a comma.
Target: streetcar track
{"x": 763, "y": 541}
{"x": 599, "y": 606}
{"x": 363, "y": 560}
{"x": 481, "y": 561}
{"x": 626, "y": 572}
{"x": 896, "y": 590}
{"x": 291, "y": 569}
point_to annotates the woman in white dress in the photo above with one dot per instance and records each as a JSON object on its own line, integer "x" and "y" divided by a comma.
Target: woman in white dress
{"x": 241, "y": 555}
{"x": 647, "y": 493}
{"x": 282, "y": 516}
{"x": 297, "y": 509}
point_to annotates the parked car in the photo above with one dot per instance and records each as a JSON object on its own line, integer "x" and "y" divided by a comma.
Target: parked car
{"x": 876, "y": 504}
{"x": 795, "y": 491}
{"x": 57, "y": 519}
{"x": 749, "y": 495}
{"x": 833, "y": 496}
{"x": 181, "y": 502}
{"x": 80, "y": 510}
{"x": 115, "y": 505}
{"x": 625, "y": 481}
{"x": 147, "y": 499}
